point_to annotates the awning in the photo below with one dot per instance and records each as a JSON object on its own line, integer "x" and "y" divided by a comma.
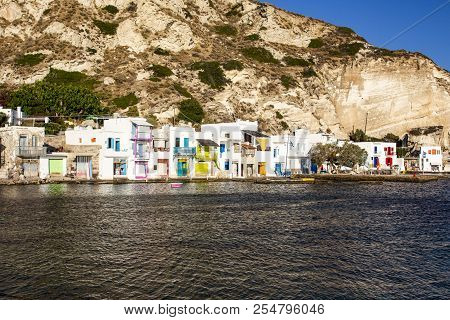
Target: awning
{"x": 207, "y": 143}
{"x": 255, "y": 134}
{"x": 142, "y": 123}
{"x": 248, "y": 147}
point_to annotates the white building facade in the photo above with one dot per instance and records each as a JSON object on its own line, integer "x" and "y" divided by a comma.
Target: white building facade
{"x": 380, "y": 155}
{"x": 431, "y": 159}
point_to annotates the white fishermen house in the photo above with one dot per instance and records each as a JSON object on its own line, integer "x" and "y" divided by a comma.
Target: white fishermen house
{"x": 126, "y": 147}
{"x": 279, "y": 155}
{"x": 206, "y": 156}
{"x": 431, "y": 159}
{"x": 229, "y": 138}
{"x": 381, "y": 155}
{"x": 304, "y": 141}
{"x": 160, "y": 157}
{"x": 182, "y": 152}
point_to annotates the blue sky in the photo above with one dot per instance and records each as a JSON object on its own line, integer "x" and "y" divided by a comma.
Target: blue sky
{"x": 379, "y": 21}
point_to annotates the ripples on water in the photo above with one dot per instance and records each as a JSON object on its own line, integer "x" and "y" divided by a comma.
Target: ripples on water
{"x": 225, "y": 241}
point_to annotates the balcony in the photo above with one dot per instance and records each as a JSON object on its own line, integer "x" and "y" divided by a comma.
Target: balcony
{"x": 142, "y": 156}
{"x": 142, "y": 136}
{"x": 181, "y": 151}
{"x": 207, "y": 156}
{"x": 31, "y": 152}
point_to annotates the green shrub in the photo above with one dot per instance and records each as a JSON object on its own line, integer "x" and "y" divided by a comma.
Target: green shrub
{"x": 75, "y": 78}
{"x": 161, "y": 52}
{"x": 345, "y": 31}
{"x": 233, "y": 65}
{"x": 54, "y": 128}
{"x": 191, "y": 111}
{"x": 181, "y": 90}
{"x": 226, "y": 30}
{"x": 152, "y": 120}
{"x": 284, "y": 125}
{"x": 126, "y": 101}
{"x": 111, "y": 9}
{"x": 161, "y": 71}
{"x": 133, "y": 112}
{"x": 30, "y": 59}
{"x": 108, "y": 28}
{"x": 295, "y": 62}
{"x": 288, "y": 81}
{"x": 350, "y": 49}
{"x": 278, "y": 115}
{"x": 47, "y": 99}
{"x": 316, "y": 43}
{"x": 253, "y": 37}
{"x": 155, "y": 79}
{"x": 211, "y": 74}
{"x": 259, "y": 54}
{"x": 308, "y": 73}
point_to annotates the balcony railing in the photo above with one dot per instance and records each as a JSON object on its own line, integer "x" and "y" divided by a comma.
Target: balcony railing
{"x": 181, "y": 151}
{"x": 142, "y": 136}
{"x": 142, "y": 156}
{"x": 211, "y": 156}
{"x": 31, "y": 152}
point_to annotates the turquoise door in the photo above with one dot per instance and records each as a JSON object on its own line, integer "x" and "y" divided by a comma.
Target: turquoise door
{"x": 182, "y": 168}
{"x": 186, "y": 142}
{"x": 278, "y": 169}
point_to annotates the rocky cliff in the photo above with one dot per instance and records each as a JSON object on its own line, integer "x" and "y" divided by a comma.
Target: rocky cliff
{"x": 287, "y": 70}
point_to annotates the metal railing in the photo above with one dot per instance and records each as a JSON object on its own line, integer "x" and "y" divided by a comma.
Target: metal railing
{"x": 142, "y": 136}
{"x": 182, "y": 151}
{"x": 31, "y": 152}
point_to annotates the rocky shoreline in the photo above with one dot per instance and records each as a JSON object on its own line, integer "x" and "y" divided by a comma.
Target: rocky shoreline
{"x": 303, "y": 179}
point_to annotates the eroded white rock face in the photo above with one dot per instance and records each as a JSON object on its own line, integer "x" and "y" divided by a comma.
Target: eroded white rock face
{"x": 177, "y": 38}
{"x": 128, "y": 35}
{"x": 69, "y": 35}
{"x": 10, "y": 11}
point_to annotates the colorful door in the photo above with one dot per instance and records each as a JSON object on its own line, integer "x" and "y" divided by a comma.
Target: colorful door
{"x": 262, "y": 168}
{"x": 186, "y": 143}
{"x": 55, "y": 166}
{"x": 278, "y": 169}
{"x": 182, "y": 169}
{"x": 376, "y": 161}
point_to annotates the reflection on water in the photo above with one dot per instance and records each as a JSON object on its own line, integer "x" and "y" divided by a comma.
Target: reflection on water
{"x": 225, "y": 240}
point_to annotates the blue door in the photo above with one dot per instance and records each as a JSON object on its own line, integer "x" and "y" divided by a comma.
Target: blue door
{"x": 182, "y": 168}
{"x": 278, "y": 169}
{"x": 186, "y": 142}
{"x": 117, "y": 145}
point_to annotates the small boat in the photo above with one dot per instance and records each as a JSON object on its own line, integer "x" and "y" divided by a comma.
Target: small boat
{"x": 176, "y": 185}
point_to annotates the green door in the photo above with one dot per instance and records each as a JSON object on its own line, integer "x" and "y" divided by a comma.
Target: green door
{"x": 56, "y": 166}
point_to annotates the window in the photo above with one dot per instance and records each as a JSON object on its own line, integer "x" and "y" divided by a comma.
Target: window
{"x": 376, "y": 150}
{"x": 117, "y": 148}
{"x": 276, "y": 152}
{"x": 186, "y": 143}
{"x": 80, "y": 140}
{"x": 155, "y": 167}
{"x": 433, "y": 152}
{"x": 227, "y": 165}
{"x": 34, "y": 141}
{"x": 110, "y": 143}
{"x": 93, "y": 140}
{"x": 23, "y": 141}
{"x": 227, "y": 135}
{"x": 429, "y": 151}
{"x": 222, "y": 148}
{"x": 177, "y": 142}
